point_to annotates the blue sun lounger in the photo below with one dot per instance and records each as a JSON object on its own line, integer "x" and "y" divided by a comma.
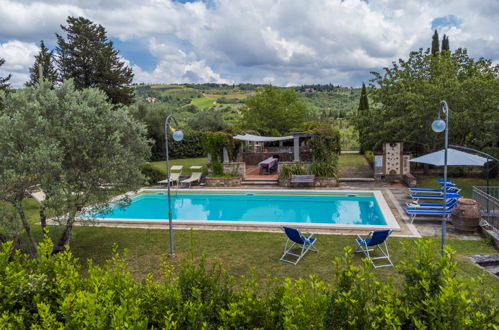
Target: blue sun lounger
{"x": 374, "y": 240}
{"x": 435, "y": 196}
{"x": 295, "y": 238}
{"x": 454, "y": 190}
{"x": 450, "y": 203}
{"x": 413, "y": 212}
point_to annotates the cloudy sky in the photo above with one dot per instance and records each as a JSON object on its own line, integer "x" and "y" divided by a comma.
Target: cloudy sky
{"x": 286, "y": 42}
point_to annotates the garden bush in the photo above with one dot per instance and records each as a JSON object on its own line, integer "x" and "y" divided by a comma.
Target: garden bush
{"x": 152, "y": 174}
{"x": 296, "y": 169}
{"x": 50, "y": 291}
{"x": 326, "y": 146}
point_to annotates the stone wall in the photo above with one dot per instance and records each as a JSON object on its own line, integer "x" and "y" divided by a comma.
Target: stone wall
{"x": 236, "y": 168}
{"x": 318, "y": 182}
{"x": 223, "y": 182}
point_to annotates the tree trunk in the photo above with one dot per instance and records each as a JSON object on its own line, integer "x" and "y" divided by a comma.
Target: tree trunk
{"x": 65, "y": 238}
{"x": 43, "y": 219}
{"x": 27, "y": 228}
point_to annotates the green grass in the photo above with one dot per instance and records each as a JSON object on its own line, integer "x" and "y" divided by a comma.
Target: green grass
{"x": 185, "y": 162}
{"x": 241, "y": 253}
{"x": 203, "y": 102}
{"x": 351, "y": 160}
{"x": 465, "y": 184}
{"x": 353, "y": 165}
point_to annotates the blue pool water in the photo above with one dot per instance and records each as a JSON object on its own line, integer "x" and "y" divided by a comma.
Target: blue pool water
{"x": 259, "y": 207}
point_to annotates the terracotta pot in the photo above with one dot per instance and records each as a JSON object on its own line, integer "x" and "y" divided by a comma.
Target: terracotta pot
{"x": 466, "y": 215}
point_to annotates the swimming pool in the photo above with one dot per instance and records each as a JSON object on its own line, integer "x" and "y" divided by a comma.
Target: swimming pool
{"x": 258, "y": 208}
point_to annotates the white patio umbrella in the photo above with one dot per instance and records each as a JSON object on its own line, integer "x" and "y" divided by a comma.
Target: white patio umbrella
{"x": 454, "y": 158}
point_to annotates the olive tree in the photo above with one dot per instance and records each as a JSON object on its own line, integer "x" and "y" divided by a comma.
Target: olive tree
{"x": 85, "y": 150}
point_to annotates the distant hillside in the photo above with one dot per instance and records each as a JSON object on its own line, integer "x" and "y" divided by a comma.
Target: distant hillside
{"x": 326, "y": 101}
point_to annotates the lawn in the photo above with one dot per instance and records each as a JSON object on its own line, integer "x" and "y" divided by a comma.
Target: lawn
{"x": 185, "y": 162}
{"x": 465, "y": 184}
{"x": 242, "y": 253}
{"x": 353, "y": 166}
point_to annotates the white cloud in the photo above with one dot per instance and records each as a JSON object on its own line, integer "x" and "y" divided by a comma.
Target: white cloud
{"x": 176, "y": 66}
{"x": 284, "y": 42}
{"x": 19, "y": 57}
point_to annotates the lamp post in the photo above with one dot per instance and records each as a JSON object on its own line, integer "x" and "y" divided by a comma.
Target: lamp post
{"x": 439, "y": 126}
{"x": 178, "y": 135}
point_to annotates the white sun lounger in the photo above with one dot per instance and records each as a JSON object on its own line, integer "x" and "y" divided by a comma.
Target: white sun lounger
{"x": 174, "y": 176}
{"x": 195, "y": 176}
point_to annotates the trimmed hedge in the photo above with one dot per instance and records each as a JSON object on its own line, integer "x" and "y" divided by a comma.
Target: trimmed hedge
{"x": 50, "y": 292}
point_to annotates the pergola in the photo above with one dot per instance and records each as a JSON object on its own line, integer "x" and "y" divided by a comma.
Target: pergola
{"x": 294, "y": 136}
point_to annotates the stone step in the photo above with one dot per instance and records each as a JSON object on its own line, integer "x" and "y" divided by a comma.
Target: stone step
{"x": 260, "y": 182}
{"x": 356, "y": 179}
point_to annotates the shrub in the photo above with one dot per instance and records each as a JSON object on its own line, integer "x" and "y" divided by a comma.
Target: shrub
{"x": 325, "y": 142}
{"x": 325, "y": 168}
{"x": 152, "y": 174}
{"x": 296, "y": 169}
{"x": 50, "y": 292}
{"x": 217, "y": 168}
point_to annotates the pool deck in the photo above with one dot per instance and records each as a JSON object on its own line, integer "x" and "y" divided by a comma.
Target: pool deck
{"x": 394, "y": 195}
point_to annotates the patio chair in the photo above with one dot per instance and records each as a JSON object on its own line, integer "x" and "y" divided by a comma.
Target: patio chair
{"x": 195, "y": 176}
{"x": 174, "y": 176}
{"x": 295, "y": 238}
{"x": 374, "y": 240}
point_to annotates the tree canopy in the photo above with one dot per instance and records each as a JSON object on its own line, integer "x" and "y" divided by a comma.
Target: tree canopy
{"x": 408, "y": 94}
{"x": 44, "y": 62}
{"x": 274, "y": 111}
{"x": 76, "y": 146}
{"x": 88, "y": 57}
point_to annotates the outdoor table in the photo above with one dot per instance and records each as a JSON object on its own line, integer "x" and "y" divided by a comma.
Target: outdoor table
{"x": 267, "y": 164}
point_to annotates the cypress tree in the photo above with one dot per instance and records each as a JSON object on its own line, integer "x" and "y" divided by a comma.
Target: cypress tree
{"x": 434, "y": 43}
{"x": 445, "y": 43}
{"x": 87, "y": 56}
{"x": 363, "y": 118}
{"x": 4, "y": 85}
{"x": 45, "y": 60}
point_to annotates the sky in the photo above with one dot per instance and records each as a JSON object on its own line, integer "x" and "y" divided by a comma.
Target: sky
{"x": 282, "y": 42}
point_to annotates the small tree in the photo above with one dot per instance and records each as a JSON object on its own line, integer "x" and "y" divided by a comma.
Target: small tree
{"x": 4, "y": 81}
{"x": 44, "y": 66}
{"x": 81, "y": 152}
{"x": 28, "y": 154}
{"x": 88, "y": 57}
{"x": 274, "y": 111}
